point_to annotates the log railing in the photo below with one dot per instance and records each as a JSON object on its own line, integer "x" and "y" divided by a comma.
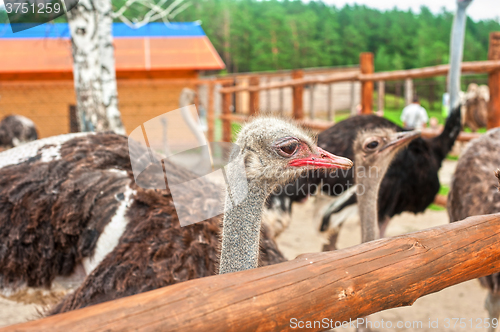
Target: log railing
{"x": 337, "y": 286}
{"x": 491, "y": 67}
{"x": 320, "y": 125}
{"x": 367, "y": 78}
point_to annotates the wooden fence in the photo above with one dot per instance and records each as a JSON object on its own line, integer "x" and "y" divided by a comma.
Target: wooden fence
{"x": 338, "y": 285}
{"x": 367, "y": 77}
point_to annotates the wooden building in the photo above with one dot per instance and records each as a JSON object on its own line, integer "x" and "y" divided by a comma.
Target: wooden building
{"x": 153, "y": 64}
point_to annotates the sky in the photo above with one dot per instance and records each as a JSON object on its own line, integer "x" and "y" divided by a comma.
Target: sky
{"x": 477, "y": 10}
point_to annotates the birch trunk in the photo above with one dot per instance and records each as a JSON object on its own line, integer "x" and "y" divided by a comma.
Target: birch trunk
{"x": 108, "y": 71}
{"x": 93, "y": 67}
{"x": 456, "y": 51}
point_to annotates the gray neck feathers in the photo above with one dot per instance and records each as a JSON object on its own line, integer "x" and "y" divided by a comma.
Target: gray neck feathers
{"x": 241, "y": 232}
{"x": 368, "y": 188}
{"x": 241, "y": 228}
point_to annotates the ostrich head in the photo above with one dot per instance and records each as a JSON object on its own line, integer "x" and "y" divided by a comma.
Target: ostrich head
{"x": 273, "y": 152}
{"x": 379, "y": 146}
{"x": 375, "y": 148}
{"x": 276, "y": 151}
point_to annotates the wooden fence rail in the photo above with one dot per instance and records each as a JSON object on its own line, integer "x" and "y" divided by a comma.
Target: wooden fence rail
{"x": 320, "y": 125}
{"x": 337, "y": 286}
{"x": 441, "y": 70}
{"x": 367, "y": 78}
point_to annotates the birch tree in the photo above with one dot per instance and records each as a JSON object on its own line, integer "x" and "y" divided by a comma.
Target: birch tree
{"x": 84, "y": 27}
{"x": 456, "y": 51}
{"x": 90, "y": 24}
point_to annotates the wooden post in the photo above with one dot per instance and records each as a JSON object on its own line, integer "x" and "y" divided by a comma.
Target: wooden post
{"x": 367, "y": 67}
{"x": 254, "y": 96}
{"x": 282, "y": 99}
{"x": 354, "y": 104}
{"x": 226, "y": 112}
{"x": 408, "y": 91}
{"x": 268, "y": 99}
{"x": 73, "y": 121}
{"x": 210, "y": 112}
{"x": 298, "y": 96}
{"x": 381, "y": 96}
{"x": 197, "y": 99}
{"x": 398, "y": 95}
{"x": 329, "y": 107}
{"x": 494, "y": 82}
{"x": 311, "y": 101}
{"x": 338, "y": 285}
{"x": 431, "y": 95}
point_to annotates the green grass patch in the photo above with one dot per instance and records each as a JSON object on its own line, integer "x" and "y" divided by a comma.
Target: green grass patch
{"x": 443, "y": 190}
{"x": 235, "y": 129}
{"x": 395, "y": 116}
{"x": 435, "y": 207}
{"x": 342, "y": 116}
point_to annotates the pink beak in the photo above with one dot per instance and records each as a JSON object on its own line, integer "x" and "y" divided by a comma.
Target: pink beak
{"x": 323, "y": 159}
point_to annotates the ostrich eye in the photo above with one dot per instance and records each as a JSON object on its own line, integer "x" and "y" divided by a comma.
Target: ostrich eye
{"x": 372, "y": 145}
{"x": 287, "y": 150}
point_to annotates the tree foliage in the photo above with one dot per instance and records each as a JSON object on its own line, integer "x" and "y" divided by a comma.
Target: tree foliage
{"x": 254, "y": 35}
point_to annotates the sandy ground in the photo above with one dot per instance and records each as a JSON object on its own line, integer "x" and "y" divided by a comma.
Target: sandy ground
{"x": 461, "y": 301}
{"x": 12, "y": 312}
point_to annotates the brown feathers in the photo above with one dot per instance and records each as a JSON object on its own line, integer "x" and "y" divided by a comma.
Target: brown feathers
{"x": 52, "y": 214}
{"x": 474, "y": 191}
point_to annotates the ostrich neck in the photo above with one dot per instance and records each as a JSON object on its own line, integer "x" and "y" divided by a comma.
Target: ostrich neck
{"x": 241, "y": 231}
{"x": 369, "y": 185}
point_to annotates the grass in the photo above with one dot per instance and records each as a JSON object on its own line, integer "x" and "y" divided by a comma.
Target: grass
{"x": 443, "y": 190}
{"x": 235, "y": 129}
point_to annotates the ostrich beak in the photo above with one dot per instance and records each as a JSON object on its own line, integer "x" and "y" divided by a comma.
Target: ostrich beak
{"x": 401, "y": 139}
{"x": 323, "y": 159}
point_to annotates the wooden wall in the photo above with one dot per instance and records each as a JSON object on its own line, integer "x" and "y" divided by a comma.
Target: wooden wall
{"x": 47, "y": 102}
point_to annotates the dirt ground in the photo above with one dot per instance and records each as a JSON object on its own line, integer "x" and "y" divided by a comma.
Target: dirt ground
{"x": 462, "y": 301}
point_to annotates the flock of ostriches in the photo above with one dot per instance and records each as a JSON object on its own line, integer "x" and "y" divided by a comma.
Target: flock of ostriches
{"x": 69, "y": 204}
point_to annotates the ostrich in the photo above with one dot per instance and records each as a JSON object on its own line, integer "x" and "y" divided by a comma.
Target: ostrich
{"x": 474, "y": 191}
{"x": 410, "y": 184}
{"x": 476, "y": 106}
{"x": 16, "y": 130}
{"x": 72, "y": 200}
{"x": 375, "y": 150}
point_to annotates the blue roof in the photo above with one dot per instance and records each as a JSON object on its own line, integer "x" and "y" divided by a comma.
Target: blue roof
{"x": 61, "y": 30}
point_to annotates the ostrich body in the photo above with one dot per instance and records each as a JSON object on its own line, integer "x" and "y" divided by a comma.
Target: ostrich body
{"x": 474, "y": 191}
{"x": 476, "y": 106}
{"x": 375, "y": 149}
{"x": 16, "y": 130}
{"x": 72, "y": 200}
